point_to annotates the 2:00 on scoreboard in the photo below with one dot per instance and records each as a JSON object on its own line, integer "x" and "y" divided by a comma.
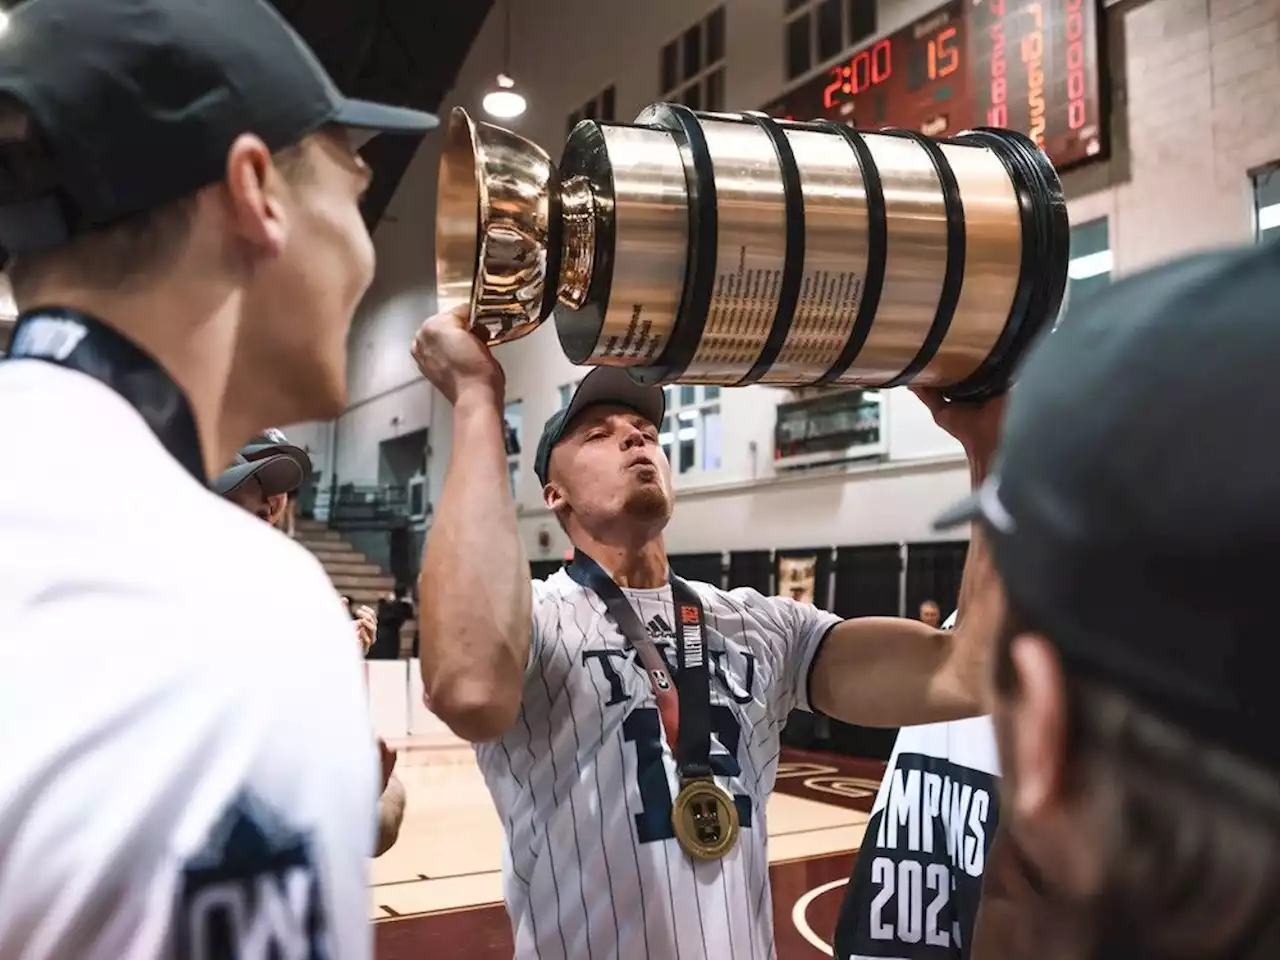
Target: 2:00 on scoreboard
{"x": 1031, "y": 65}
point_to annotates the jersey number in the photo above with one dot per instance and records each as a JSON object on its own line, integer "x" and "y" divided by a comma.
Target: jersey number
{"x": 915, "y": 920}
{"x": 643, "y": 727}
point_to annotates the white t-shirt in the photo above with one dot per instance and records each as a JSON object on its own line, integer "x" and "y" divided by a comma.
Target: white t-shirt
{"x": 186, "y": 763}
{"x": 585, "y": 779}
{"x": 918, "y": 877}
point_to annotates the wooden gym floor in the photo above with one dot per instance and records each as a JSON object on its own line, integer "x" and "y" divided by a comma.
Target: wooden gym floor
{"x": 439, "y": 889}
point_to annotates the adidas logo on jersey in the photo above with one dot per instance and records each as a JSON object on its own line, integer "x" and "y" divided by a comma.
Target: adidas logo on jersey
{"x": 658, "y": 627}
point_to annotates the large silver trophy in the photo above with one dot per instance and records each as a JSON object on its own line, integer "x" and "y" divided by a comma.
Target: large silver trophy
{"x": 734, "y": 249}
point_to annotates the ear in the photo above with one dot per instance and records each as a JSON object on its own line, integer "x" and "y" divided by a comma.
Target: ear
{"x": 1038, "y": 728}
{"x": 554, "y": 498}
{"x": 255, "y": 189}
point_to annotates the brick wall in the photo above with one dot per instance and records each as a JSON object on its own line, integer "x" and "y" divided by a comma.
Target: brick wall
{"x": 1196, "y": 95}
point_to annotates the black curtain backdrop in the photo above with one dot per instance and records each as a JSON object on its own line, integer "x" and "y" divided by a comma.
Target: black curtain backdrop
{"x": 751, "y": 568}
{"x": 933, "y": 573}
{"x": 867, "y": 580}
{"x": 705, "y": 567}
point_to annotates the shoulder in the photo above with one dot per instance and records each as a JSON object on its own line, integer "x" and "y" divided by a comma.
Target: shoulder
{"x": 780, "y": 614}
{"x": 559, "y": 590}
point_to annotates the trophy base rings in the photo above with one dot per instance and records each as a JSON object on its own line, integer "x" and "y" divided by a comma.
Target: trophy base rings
{"x": 705, "y": 819}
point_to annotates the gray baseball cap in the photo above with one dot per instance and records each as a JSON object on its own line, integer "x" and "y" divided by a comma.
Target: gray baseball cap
{"x": 603, "y": 385}
{"x": 276, "y": 474}
{"x": 273, "y": 442}
{"x": 1134, "y": 507}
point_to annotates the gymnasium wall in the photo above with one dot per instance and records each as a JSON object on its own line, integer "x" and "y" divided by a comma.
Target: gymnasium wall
{"x": 1193, "y": 85}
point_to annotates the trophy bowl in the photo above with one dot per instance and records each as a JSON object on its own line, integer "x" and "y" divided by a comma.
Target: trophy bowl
{"x": 497, "y": 228}
{"x": 734, "y": 249}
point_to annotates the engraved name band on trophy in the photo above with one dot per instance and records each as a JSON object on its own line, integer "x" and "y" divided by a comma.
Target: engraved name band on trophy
{"x": 734, "y": 249}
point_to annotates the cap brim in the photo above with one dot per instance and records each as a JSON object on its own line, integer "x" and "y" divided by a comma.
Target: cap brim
{"x": 259, "y": 451}
{"x": 381, "y": 118}
{"x": 613, "y": 385}
{"x": 276, "y": 475}
{"x": 966, "y": 511}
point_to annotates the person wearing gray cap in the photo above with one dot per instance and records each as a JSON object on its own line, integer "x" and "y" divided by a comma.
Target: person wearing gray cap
{"x": 1132, "y": 515}
{"x": 188, "y": 769}
{"x": 266, "y": 469}
{"x": 627, "y": 721}
{"x": 283, "y": 507}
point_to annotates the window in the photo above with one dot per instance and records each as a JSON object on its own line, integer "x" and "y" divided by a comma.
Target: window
{"x": 1089, "y": 268}
{"x": 818, "y": 31}
{"x": 565, "y": 392}
{"x": 692, "y": 435}
{"x": 600, "y": 107}
{"x": 513, "y": 421}
{"x": 692, "y": 65}
{"x": 1266, "y": 202}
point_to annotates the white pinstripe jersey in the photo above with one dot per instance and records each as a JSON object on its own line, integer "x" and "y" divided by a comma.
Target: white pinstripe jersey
{"x": 584, "y": 781}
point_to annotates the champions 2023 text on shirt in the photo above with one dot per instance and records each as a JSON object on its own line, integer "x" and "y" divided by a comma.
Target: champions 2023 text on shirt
{"x": 584, "y": 782}
{"x": 918, "y": 878}
{"x": 188, "y": 764}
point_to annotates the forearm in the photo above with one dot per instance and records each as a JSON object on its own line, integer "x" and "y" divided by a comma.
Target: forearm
{"x": 881, "y": 671}
{"x": 474, "y": 587}
{"x": 980, "y": 606}
{"x": 979, "y": 467}
{"x": 391, "y": 806}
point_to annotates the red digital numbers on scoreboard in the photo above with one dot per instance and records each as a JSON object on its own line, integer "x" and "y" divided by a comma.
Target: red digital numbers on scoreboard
{"x": 1077, "y": 112}
{"x": 997, "y": 63}
{"x": 868, "y": 68}
{"x": 998, "y": 112}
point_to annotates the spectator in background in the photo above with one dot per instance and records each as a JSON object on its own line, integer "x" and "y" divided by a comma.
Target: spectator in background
{"x": 930, "y": 613}
{"x": 253, "y": 485}
{"x": 394, "y": 611}
{"x": 284, "y": 507}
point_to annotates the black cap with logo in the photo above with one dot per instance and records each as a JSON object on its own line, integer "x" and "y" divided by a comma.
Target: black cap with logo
{"x": 603, "y": 385}
{"x": 1134, "y": 508}
{"x": 138, "y": 101}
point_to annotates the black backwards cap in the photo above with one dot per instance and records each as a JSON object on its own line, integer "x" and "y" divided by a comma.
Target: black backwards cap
{"x": 137, "y": 102}
{"x": 1134, "y": 506}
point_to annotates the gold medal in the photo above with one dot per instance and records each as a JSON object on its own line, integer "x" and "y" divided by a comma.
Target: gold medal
{"x": 705, "y": 819}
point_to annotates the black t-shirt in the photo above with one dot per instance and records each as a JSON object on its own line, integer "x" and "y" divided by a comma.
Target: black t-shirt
{"x": 917, "y": 880}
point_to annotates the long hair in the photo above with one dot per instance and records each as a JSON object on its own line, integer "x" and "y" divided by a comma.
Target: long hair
{"x": 1190, "y": 831}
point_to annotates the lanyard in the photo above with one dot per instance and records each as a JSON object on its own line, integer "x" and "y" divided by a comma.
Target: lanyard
{"x": 76, "y": 341}
{"x": 686, "y": 709}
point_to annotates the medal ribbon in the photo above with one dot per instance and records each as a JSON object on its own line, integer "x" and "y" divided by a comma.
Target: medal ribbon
{"x": 76, "y": 341}
{"x": 685, "y": 707}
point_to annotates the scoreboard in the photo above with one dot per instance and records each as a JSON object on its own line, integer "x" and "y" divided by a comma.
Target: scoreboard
{"x": 1030, "y": 65}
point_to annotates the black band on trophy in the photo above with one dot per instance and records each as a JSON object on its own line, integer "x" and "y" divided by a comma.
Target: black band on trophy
{"x": 953, "y": 275}
{"x": 793, "y": 265}
{"x": 1046, "y": 239}
{"x": 76, "y": 341}
{"x": 878, "y": 244}
{"x": 704, "y": 815}
{"x": 703, "y": 244}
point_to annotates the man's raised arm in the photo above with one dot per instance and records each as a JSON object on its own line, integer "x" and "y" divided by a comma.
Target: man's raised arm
{"x": 474, "y": 593}
{"x": 884, "y": 671}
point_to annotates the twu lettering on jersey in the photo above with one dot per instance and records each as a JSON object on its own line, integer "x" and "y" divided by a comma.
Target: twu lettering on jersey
{"x": 612, "y": 662}
{"x": 916, "y": 888}
{"x": 252, "y": 892}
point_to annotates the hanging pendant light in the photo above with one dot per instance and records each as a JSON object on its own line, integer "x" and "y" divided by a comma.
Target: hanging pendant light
{"x": 504, "y": 102}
